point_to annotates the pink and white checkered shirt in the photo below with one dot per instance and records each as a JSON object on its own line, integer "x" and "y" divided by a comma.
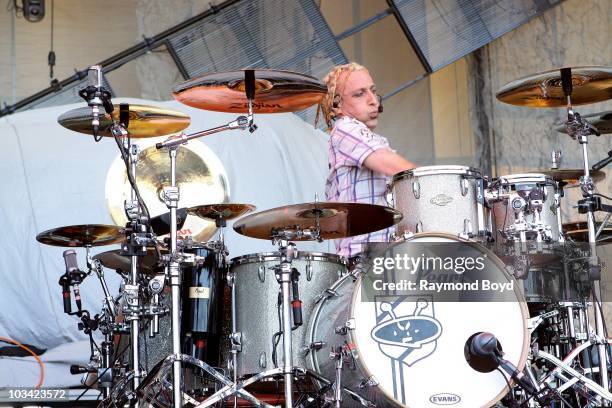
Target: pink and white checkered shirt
{"x": 350, "y": 143}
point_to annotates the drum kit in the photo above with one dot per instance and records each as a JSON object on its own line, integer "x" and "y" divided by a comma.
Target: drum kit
{"x": 192, "y": 327}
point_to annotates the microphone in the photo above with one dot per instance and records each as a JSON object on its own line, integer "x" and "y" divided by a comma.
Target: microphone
{"x": 296, "y": 303}
{"x": 484, "y": 345}
{"x": 96, "y": 96}
{"x": 603, "y": 163}
{"x": 380, "y": 105}
{"x": 70, "y": 260}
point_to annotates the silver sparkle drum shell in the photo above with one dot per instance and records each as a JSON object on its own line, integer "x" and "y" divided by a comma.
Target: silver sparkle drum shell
{"x": 439, "y": 198}
{"x": 257, "y": 312}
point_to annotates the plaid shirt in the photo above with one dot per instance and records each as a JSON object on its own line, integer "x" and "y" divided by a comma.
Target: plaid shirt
{"x": 350, "y": 143}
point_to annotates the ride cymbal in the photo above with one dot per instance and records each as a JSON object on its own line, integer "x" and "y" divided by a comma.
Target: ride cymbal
{"x": 275, "y": 91}
{"x": 601, "y": 120}
{"x": 82, "y": 235}
{"x": 336, "y": 220}
{"x": 215, "y": 212}
{"x": 544, "y": 90}
{"x": 144, "y": 121}
{"x": 572, "y": 176}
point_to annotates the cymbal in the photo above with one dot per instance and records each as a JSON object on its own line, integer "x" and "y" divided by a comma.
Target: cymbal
{"x": 337, "y": 220}
{"x": 275, "y": 91}
{"x": 572, "y": 176}
{"x": 579, "y": 232}
{"x": 161, "y": 223}
{"x": 115, "y": 260}
{"x": 82, "y": 235}
{"x": 215, "y": 212}
{"x": 200, "y": 175}
{"x": 601, "y": 120}
{"x": 145, "y": 121}
{"x": 544, "y": 90}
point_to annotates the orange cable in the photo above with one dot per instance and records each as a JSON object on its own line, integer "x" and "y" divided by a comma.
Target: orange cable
{"x": 40, "y": 362}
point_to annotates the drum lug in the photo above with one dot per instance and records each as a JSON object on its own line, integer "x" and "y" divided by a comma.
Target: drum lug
{"x": 368, "y": 382}
{"x": 418, "y": 227}
{"x": 309, "y": 270}
{"x": 465, "y": 184}
{"x": 316, "y": 345}
{"x": 261, "y": 273}
{"x": 467, "y": 230}
{"x": 343, "y": 330}
{"x": 326, "y": 294}
{"x": 236, "y": 341}
{"x": 416, "y": 189}
{"x": 262, "y": 360}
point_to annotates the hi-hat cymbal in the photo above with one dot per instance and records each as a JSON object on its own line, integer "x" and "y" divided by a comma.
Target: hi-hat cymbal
{"x": 579, "y": 232}
{"x": 200, "y": 175}
{"x": 336, "y": 220}
{"x": 601, "y": 120}
{"x": 144, "y": 121}
{"x": 275, "y": 91}
{"x": 572, "y": 176}
{"x": 215, "y": 212}
{"x": 544, "y": 90}
{"x": 115, "y": 259}
{"x": 82, "y": 235}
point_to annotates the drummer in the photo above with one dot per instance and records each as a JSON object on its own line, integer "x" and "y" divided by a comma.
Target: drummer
{"x": 360, "y": 161}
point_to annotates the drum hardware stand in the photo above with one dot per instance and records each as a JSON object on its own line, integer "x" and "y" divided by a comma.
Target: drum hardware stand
{"x": 579, "y": 130}
{"x": 342, "y": 355}
{"x": 171, "y": 197}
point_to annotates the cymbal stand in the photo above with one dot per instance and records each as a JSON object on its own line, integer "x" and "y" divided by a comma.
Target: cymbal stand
{"x": 138, "y": 238}
{"x": 579, "y": 130}
{"x": 171, "y": 196}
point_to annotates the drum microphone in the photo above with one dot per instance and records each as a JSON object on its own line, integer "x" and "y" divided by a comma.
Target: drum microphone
{"x": 97, "y": 96}
{"x": 484, "y": 345}
{"x": 72, "y": 277}
{"x": 296, "y": 303}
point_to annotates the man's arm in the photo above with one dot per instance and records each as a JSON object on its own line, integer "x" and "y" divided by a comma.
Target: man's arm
{"x": 387, "y": 162}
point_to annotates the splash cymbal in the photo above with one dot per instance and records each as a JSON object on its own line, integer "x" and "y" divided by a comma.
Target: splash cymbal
{"x": 544, "y": 90}
{"x": 200, "y": 175}
{"x": 275, "y": 91}
{"x": 572, "y": 176}
{"x": 215, "y": 212}
{"x": 601, "y": 120}
{"x": 82, "y": 235}
{"x": 336, "y": 220}
{"x": 145, "y": 121}
{"x": 115, "y": 259}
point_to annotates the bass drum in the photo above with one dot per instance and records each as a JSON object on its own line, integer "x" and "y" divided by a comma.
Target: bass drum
{"x": 426, "y": 365}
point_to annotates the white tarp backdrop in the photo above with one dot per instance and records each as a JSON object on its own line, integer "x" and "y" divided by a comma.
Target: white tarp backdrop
{"x": 53, "y": 177}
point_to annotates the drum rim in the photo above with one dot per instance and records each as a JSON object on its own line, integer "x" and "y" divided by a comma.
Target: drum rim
{"x": 302, "y": 255}
{"x": 351, "y": 312}
{"x": 451, "y": 169}
{"x": 525, "y": 178}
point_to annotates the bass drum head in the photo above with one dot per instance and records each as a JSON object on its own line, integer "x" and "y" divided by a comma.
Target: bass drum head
{"x": 414, "y": 347}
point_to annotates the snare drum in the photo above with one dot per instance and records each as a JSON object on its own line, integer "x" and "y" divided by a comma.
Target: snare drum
{"x": 257, "y": 311}
{"x": 441, "y": 198}
{"x": 409, "y": 352}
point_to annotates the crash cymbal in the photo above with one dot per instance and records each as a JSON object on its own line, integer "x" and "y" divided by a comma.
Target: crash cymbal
{"x": 116, "y": 260}
{"x": 215, "y": 212}
{"x": 82, "y": 235}
{"x": 336, "y": 220}
{"x": 145, "y": 121}
{"x": 579, "y": 232}
{"x": 544, "y": 90}
{"x": 572, "y": 176}
{"x": 601, "y": 120}
{"x": 275, "y": 91}
{"x": 200, "y": 175}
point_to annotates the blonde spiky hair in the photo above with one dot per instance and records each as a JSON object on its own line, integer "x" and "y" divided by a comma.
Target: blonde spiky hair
{"x": 333, "y": 83}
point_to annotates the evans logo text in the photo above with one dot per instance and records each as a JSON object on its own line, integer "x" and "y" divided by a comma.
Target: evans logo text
{"x": 445, "y": 399}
